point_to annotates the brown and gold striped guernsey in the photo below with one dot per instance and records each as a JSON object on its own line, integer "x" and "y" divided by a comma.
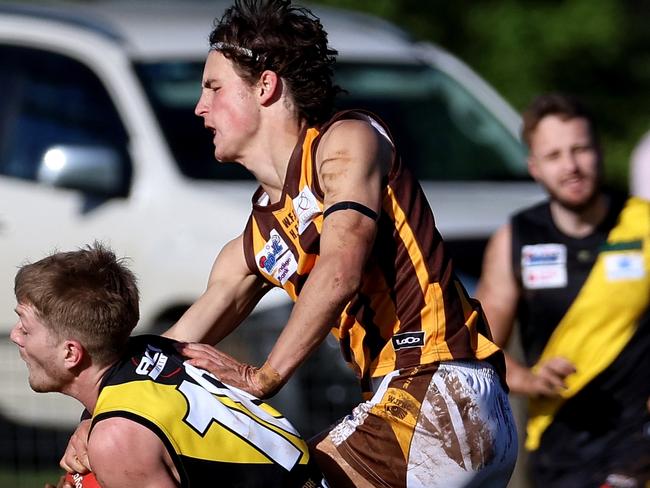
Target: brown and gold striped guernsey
{"x": 410, "y": 308}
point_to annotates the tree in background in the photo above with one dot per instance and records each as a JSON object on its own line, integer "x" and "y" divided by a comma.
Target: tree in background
{"x": 599, "y": 51}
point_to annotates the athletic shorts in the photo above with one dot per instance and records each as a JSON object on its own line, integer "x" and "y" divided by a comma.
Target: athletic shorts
{"x": 445, "y": 424}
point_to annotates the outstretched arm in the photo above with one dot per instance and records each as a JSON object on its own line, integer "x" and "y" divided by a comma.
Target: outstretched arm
{"x": 232, "y": 293}
{"x": 498, "y": 293}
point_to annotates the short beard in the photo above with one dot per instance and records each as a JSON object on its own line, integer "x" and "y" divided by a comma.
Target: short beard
{"x": 580, "y": 206}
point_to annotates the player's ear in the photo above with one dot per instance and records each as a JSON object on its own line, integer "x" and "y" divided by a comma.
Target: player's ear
{"x": 73, "y": 353}
{"x": 269, "y": 86}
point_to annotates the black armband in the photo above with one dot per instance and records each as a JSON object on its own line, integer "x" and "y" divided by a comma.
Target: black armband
{"x": 352, "y": 206}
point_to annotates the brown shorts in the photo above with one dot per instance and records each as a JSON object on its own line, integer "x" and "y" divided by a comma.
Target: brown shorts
{"x": 444, "y": 424}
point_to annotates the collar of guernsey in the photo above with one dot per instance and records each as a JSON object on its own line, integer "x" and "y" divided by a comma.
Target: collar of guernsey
{"x": 614, "y": 296}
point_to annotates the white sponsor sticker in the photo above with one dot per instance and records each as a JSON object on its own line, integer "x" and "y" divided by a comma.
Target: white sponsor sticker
{"x": 152, "y": 363}
{"x": 306, "y": 207}
{"x": 286, "y": 267}
{"x": 543, "y": 266}
{"x": 276, "y": 259}
{"x": 621, "y": 266}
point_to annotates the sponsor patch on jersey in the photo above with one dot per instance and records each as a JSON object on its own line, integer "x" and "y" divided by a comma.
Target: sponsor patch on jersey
{"x": 620, "y": 266}
{"x": 543, "y": 266}
{"x": 287, "y": 266}
{"x": 408, "y": 339}
{"x": 306, "y": 207}
{"x": 152, "y": 363}
{"x": 276, "y": 259}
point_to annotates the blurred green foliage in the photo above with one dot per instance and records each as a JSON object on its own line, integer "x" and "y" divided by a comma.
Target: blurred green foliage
{"x": 28, "y": 478}
{"x": 597, "y": 50}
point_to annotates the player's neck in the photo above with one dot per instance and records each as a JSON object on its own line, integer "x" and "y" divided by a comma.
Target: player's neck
{"x": 269, "y": 160}
{"x": 86, "y": 386}
{"x": 581, "y": 222}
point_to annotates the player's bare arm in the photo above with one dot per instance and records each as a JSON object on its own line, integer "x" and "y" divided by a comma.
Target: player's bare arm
{"x": 497, "y": 289}
{"x": 231, "y": 294}
{"x": 125, "y": 454}
{"x": 498, "y": 293}
{"x": 352, "y": 159}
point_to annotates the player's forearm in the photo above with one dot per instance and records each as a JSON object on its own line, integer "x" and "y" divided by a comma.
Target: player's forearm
{"x": 213, "y": 316}
{"x": 328, "y": 290}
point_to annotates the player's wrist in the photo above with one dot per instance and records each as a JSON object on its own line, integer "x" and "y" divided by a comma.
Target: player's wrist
{"x": 269, "y": 381}
{"x": 521, "y": 380}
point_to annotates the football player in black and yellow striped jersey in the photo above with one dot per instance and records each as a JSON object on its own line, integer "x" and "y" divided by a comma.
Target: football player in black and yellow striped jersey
{"x": 156, "y": 421}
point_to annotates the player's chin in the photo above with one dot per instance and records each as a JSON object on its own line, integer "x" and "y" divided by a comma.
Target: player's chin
{"x": 578, "y": 199}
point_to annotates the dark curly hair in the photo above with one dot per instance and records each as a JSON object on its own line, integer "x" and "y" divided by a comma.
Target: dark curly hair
{"x": 257, "y": 35}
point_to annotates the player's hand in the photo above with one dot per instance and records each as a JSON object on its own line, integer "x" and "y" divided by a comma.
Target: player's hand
{"x": 548, "y": 378}
{"x": 75, "y": 458}
{"x": 259, "y": 382}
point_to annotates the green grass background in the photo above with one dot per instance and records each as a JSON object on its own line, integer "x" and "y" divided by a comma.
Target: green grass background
{"x": 28, "y": 479}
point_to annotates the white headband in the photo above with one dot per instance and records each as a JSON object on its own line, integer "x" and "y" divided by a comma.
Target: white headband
{"x": 219, "y": 46}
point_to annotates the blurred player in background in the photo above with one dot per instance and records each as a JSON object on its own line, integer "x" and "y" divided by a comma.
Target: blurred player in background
{"x": 575, "y": 272}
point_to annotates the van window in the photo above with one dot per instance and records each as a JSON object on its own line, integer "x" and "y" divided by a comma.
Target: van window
{"x": 442, "y": 131}
{"x": 50, "y": 99}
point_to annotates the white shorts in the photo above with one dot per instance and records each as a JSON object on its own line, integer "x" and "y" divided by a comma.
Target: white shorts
{"x": 446, "y": 424}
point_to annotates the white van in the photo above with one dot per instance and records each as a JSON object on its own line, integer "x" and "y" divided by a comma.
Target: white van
{"x": 98, "y": 141}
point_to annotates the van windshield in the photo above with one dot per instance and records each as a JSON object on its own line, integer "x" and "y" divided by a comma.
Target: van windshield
{"x": 442, "y": 131}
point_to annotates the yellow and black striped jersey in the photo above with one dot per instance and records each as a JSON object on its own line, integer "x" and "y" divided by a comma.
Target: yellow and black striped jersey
{"x": 410, "y": 308}
{"x": 215, "y": 434}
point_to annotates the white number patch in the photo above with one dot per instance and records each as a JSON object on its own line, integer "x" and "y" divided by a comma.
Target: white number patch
{"x": 254, "y": 426}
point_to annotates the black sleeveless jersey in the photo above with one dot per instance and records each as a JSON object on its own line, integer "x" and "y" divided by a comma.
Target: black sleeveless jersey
{"x": 215, "y": 435}
{"x": 605, "y": 427}
{"x": 550, "y": 268}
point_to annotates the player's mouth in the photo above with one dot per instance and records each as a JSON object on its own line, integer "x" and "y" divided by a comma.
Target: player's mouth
{"x": 574, "y": 182}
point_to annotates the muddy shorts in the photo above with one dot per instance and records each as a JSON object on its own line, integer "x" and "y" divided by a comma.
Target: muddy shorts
{"x": 446, "y": 424}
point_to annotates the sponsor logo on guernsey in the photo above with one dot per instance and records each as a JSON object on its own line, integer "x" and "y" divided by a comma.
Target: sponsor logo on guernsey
{"x": 620, "y": 266}
{"x": 78, "y": 480}
{"x": 276, "y": 259}
{"x": 543, "y": 266}
{"x": 408, "y": 339}
{"x": 152, "y": 363}
{"x": 306, "y": 208}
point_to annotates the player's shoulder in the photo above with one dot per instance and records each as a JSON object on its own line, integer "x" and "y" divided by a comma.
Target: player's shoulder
{"x": 347, "y": 129}
{"x": 535, "y": 213}
{"x": 110, "y": 435}
{"x": 123, "y": 441}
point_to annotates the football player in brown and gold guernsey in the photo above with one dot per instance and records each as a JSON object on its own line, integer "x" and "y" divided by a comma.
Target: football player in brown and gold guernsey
{"x": 340, "y": 224}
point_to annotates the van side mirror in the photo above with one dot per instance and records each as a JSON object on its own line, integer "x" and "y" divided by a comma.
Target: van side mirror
{"x": 94, "y": 169}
